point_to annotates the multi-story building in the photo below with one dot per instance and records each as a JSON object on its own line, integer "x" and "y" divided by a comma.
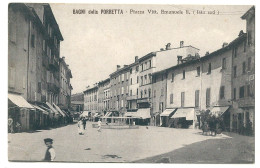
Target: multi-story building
{"x": 103, "y": 96}
{"x": 151, "y": 64}
{"x": 119, "y": 89}
{"x": 201, "y": 83}
{"x": 133, "y": 86}
{"x": 91, "y": 100}
{"x": 33, "y": 54}
{"x": 65, "y": 86}
{"x": 77, "y": 102}
{"x": 243, "y": 77}
{"x": 159, "y": 95}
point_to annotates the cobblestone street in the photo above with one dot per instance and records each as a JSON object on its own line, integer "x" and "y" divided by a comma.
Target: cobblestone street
{"x": 155, "y": 144}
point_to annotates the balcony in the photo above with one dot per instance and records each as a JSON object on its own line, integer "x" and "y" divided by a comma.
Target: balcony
{"x": 246, "y": 102}
{"x": 51, "y": 87}
{"x": 144, "y": 100}
{"x": 53, "y": 65}
{"x": 133, "y": 97}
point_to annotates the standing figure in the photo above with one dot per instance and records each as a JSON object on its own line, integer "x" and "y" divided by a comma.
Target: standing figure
{"x": 84, "y": 122}
{"x": 10, "y": 125}
{"x": 50, "y": 152}
{"x": 80, "y": 127}
{"x": 99, "y": 125}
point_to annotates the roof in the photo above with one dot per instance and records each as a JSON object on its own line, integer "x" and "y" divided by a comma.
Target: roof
{"x": 92, "y": 88}
{"x": 223, "y": 49}
{"x": 104, "y": 81}
{"x": 48, "y": 8}
{"x": 149, "y": 55}
{"x": 119, "y": 70}
{"x": 251, "y": 11}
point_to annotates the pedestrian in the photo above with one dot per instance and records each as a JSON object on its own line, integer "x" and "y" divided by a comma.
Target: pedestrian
{"x": 80, "y": 127}
{"x": 99, "y": 125}
{"x": 18, "y": 127}
{"x": 84, "y": 122}
{"x": 50, "y": 152}
{"x": 10, "y": 124}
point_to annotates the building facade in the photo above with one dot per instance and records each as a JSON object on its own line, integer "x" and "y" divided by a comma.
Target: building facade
{"x": 65, "y": 86}
{"x": 243, "y": 78}
{"x": 33, "y": 62}
{"x": 103, "y": 96}
{"x": 133, "y": 86}
{"x": 91, "y": 99}
{"x": 119, "y": 89}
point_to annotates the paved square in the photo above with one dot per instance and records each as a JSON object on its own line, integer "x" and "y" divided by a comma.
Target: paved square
{"x": 109, "y": 145}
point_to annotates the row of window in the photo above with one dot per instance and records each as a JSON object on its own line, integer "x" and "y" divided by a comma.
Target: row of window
{"x": 91, "y": 98}
{"x": 197, "y": 93}
{"x": 243, "y": 67}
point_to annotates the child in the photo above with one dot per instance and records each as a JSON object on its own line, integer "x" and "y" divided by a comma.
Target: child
{"x": 80, "y": 127}
{"x": 50, "y": 152}
{"x": 99, "y": 125}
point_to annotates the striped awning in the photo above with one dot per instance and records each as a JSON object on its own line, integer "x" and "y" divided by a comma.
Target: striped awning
{"x": 19, "y": 101}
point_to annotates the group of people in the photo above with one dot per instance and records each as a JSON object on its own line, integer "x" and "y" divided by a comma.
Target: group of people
{"x": 13, "y": 127}
{"x": 82, "y": 125}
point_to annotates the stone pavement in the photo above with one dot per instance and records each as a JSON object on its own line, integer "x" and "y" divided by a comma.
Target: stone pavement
{"x": 124, "y": 145}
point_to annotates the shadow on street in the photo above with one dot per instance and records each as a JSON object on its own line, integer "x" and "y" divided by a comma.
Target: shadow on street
{"x": 237, "y": 149}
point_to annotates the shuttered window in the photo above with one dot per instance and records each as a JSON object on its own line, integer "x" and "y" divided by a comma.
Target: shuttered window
{"x": 208, "y": 97}
{"x": 171, "y": 98}
{"x": 197, "y": 96}
{"x": 182, "y": 99}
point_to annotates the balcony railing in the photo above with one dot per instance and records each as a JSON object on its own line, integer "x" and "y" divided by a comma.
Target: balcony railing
{"x": 53, "y": 65}
{"x": 51, "y": 87}
{"x": 133, "y": 97}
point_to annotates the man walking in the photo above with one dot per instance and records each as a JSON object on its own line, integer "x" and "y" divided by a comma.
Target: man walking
{"x": 84, "y": 122}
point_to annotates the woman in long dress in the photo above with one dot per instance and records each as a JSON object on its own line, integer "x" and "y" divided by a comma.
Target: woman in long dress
{"x": 80, "y": 127}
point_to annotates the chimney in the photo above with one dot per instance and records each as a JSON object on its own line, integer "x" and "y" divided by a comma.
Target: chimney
{"x": 179, "y": 59}
{"x": 207, "y": 53}
{"x": 136, "y": 58}
{"x": 224, "y": 44}
{"x": 168, "y": 46}
{"x": 117, "y": 67}
{"x": 63, "y": 57}
{"x": 161, "y": 49}
{"x": 181, "y": 44}
{"x": 125, "y": 66}
{"x": 240, "y": 33}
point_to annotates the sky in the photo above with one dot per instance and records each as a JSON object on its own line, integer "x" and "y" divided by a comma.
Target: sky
{"x": 95, "y": 43}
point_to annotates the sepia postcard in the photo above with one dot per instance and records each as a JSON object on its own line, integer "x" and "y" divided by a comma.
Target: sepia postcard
{"x": 131, "y": 83}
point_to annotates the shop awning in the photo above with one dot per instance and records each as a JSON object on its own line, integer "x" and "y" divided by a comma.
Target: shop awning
{"x": 65, "y": 113}
{"x": 108, "y": 114}
{"x": 144, "y": 113}
{"x": 39, "y": 108}
{"x": 188, "y": 113}
{"x": 84, "y": 114}
{"x": 167, "y": 112}
{"x": 46, "y": 109}
{"x": 52, "y": 108}
{"x": 218, "y": 111}
{"x": 59, "y": 110}
{"x": 19, "y": 101}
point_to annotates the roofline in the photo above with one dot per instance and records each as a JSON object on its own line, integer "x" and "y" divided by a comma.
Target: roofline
{"x": 104, "y": 81}
{"x": 247, "y": 12}
{"x": 47, "y": 5}
{"x": 231, "y": 44}
{"x": 90, "y": 89}
{"x": 119, "y": 70}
